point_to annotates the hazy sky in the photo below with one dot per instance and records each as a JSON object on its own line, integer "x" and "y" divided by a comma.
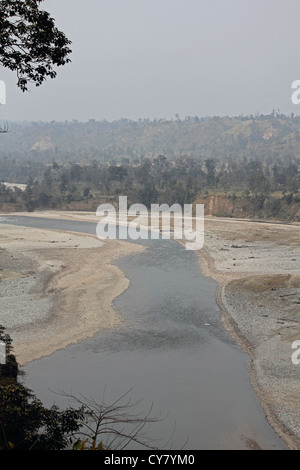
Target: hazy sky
{"x": 156, "y": 58}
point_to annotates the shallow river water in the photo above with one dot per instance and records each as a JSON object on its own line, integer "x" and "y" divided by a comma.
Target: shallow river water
{"x": 171, "y": 351}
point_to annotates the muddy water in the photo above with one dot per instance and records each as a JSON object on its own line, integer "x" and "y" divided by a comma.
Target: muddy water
{"x": 171, "y": 351}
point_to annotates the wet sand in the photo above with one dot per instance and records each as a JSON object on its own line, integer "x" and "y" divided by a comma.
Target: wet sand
{"x": 57, "y": 288}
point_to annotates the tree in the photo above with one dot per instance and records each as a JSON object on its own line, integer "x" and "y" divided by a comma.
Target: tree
{"x": 25, "y": 424}
{"x": 30, "y": 44}
{"x": 210, "y": 169}
{"x": 10, "y": 369}
{"x": 113, "y": 426}
{"x": 148, "y": 194}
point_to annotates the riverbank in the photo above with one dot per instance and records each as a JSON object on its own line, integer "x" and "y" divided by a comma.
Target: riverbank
{"x": 57, "y": 288}
{"x": 256, "y": 266}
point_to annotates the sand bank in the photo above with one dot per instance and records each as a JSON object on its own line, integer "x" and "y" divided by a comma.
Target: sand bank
{"x": 57, "y": 288}
{"x": 257, "y": 267}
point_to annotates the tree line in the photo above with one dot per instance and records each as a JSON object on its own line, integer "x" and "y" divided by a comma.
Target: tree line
{"x": 156, "y": 181}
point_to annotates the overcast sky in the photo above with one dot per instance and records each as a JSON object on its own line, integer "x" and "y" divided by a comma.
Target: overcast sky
{"x": 157, "y": 58}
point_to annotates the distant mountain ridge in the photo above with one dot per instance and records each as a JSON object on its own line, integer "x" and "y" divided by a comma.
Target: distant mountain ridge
{"x": 268, "y": 138}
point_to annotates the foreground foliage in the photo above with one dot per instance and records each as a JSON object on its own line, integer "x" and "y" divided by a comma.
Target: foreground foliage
{"x": 26, "y": 424}
{"x": 30, "y": 43}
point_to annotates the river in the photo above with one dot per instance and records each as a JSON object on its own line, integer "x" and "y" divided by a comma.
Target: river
{"x": 171, "y": 351}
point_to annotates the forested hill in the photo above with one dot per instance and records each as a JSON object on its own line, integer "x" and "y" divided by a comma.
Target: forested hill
{"x": 268, "y": 138}
{"x": 243, "y": 166}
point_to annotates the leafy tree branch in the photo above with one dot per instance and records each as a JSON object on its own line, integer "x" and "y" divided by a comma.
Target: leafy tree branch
{"x": 30, "y": 43}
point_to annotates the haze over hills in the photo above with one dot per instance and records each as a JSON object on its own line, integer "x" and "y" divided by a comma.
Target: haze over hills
{"x": 268, "y": 138}
{"x": 241, "y": 166}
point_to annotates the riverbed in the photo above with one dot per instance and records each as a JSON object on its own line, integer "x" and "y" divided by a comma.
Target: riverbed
{"x": 170, "y": 349}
